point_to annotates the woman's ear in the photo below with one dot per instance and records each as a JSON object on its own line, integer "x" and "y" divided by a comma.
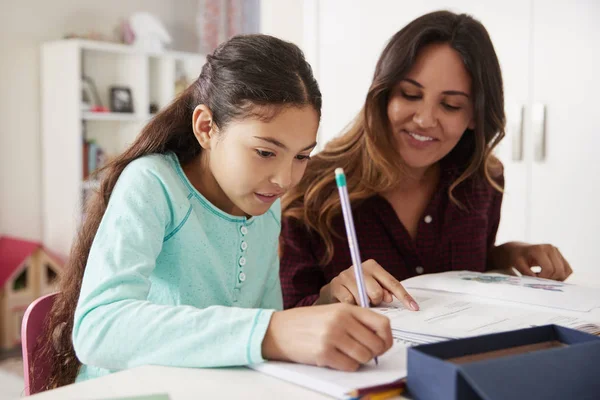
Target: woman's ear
{"x": 471, "y": 125}
{"x": 203, "y": 126}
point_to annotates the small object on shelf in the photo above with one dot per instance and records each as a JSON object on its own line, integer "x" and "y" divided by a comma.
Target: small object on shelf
{"x": 92, "y": 35}
{"x": 90, "y": 101}
{"x": 153, "y": 109}
{"x": 148, "y": 32}
{"x": 126, "y": 34}
{"x": 99, "y": 109}
{"x": 181, "y": 79}
{"x": 121, "y": 99}
{"x": 94, "y": 159}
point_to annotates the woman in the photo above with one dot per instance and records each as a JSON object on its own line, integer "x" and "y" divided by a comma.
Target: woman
{"x": 425, "y": 188}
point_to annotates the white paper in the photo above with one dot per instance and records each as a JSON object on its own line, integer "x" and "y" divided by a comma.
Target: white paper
{"x": 445, "y": 316}
{"x": 528, "y": 290}
{"x": 453, "y": 307}
{"x": 392, "y": 366}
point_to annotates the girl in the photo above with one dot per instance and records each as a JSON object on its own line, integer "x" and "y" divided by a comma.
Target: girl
{"x": 424, "y": 185}
{"x": 176, "y": 263}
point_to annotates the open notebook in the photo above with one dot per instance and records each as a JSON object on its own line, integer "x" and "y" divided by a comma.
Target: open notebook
{"x": 453, "y": 307}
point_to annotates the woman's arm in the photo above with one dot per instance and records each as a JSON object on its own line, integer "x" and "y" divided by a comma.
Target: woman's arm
{"x": 301, "y": 276}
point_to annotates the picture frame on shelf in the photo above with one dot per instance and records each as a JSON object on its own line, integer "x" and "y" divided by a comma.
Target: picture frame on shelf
{"x": 121, "y": 99}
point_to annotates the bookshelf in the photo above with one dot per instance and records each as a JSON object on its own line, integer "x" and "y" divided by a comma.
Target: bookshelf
{"x": 67, "y": 125}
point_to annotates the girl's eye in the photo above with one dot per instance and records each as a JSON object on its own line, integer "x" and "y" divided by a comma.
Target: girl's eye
{"x": 265, "y": 154}
{"x": 450, "y": 108}
{"x": 302, "y": 157}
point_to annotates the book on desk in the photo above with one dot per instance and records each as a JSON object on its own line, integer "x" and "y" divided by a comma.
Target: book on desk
{"x": 455, "y": 305}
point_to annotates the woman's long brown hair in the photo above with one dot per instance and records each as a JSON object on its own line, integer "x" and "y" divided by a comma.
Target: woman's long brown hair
{"x": 366, "y": 150}
{"x": 243, "y": 75}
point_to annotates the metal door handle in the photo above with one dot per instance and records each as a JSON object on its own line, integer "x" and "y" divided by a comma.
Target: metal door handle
{"x": 538, "y": 116}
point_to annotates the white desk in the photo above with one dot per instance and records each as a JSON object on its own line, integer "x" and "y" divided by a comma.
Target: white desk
{"x": 183, "y": 383}
{"x": 224, "y": 383}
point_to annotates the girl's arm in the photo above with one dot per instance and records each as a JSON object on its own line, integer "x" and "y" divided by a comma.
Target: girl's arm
{"x": 273, "y": 296}
{"x": 116, "y": 327}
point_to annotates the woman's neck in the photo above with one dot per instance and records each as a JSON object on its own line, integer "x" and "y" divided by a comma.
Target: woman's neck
{"x": 416, "y": 178}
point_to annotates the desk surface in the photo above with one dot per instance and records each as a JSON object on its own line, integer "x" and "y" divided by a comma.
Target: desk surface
{"x": 183, "y": 383}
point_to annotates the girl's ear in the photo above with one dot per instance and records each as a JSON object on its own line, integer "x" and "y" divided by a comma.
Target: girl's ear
{"x": 203, "y": 126}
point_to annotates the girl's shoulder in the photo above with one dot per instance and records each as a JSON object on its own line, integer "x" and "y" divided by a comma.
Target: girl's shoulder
{"x": 159, "y": 169}
{"x": 155, "y": 177}
{"x": 158, "y": 165}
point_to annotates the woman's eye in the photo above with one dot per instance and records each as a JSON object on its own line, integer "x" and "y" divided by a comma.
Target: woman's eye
{"x": 265, "y": 154}
{"x": 450, "y": 107}
{"x": 410, "y": 96}
{"x": 302, "y": 157}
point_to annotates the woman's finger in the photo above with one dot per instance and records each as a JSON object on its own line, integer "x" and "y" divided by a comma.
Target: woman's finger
{"x": 523, "y": 267}
{"x": 559, "y": 266}
{"x": 542, "y": 259}
{"x": 387, "y": 281}
{"x": 375, "y": 292}
{"x": 341, "y": 293}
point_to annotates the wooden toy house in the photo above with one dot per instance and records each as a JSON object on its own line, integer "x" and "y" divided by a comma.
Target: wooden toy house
{"x": 27, "y": 271}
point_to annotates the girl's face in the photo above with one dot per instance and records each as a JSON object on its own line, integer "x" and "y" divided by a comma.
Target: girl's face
{"x": 255, "y": 162}
{"x": 431, "y": 108}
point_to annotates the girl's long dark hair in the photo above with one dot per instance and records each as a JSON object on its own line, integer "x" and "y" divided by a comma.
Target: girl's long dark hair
{"x": 244, "y": 75}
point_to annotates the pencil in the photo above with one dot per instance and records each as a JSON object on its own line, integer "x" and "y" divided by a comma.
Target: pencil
{"x": 383, "y": 395}
{"x": 340, "y": 179}
{"x": 398, "y": 384}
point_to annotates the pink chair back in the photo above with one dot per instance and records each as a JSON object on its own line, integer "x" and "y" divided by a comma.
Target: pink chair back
{"x": 36, "y": 370}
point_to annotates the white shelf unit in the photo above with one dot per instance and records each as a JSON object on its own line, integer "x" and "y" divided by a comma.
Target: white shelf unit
{"x": 65, "y": 126}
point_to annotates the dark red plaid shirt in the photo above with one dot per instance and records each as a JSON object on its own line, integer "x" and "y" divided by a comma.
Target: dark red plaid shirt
{"x": 448, "y": 238}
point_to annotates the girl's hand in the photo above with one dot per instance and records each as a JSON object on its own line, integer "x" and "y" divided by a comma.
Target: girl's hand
{"x": 338, "y": 336}
{"x": 554, "y": 266}
{"x": 379, "y": 284}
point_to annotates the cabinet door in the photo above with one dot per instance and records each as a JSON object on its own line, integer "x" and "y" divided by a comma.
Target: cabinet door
{"x": 351, "y": 36}
{"x": 565, "y": 192}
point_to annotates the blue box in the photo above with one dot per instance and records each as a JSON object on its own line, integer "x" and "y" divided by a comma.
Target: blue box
{"x": 544, "y": 362}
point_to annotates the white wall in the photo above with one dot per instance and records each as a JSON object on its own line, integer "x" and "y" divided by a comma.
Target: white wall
{"x": 283, "y": 19}
{"x": 24, "y": 25}
{"x": 295, "y": 21}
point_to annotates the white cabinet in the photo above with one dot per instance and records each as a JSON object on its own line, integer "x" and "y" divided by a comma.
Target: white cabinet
{"x": 547, "y": 52}
{"x": 565, "y": 176}
{"x": 66, "y": 125}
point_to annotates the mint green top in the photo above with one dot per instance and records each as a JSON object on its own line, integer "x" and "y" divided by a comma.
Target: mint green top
{"x": 172, "y": 280}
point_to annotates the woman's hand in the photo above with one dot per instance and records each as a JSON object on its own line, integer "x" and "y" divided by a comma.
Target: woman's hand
{"x": 380, "y": 285}
{"x": 523, "y": 256}
{"x": 338, "y": 336}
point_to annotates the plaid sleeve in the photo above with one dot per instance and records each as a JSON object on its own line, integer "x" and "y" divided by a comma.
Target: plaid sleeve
{"x": 301, "y": 276}
{"x": 494, "y": 214}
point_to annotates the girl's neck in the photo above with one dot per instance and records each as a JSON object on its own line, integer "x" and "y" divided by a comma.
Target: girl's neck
{"x": 199, "y": 174}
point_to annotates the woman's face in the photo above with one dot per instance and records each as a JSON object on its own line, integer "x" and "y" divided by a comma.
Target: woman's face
{"x": 431, "y": 108}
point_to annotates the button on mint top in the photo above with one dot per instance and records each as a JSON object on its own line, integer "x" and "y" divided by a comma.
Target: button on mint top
{"x": 172, "y": 280}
